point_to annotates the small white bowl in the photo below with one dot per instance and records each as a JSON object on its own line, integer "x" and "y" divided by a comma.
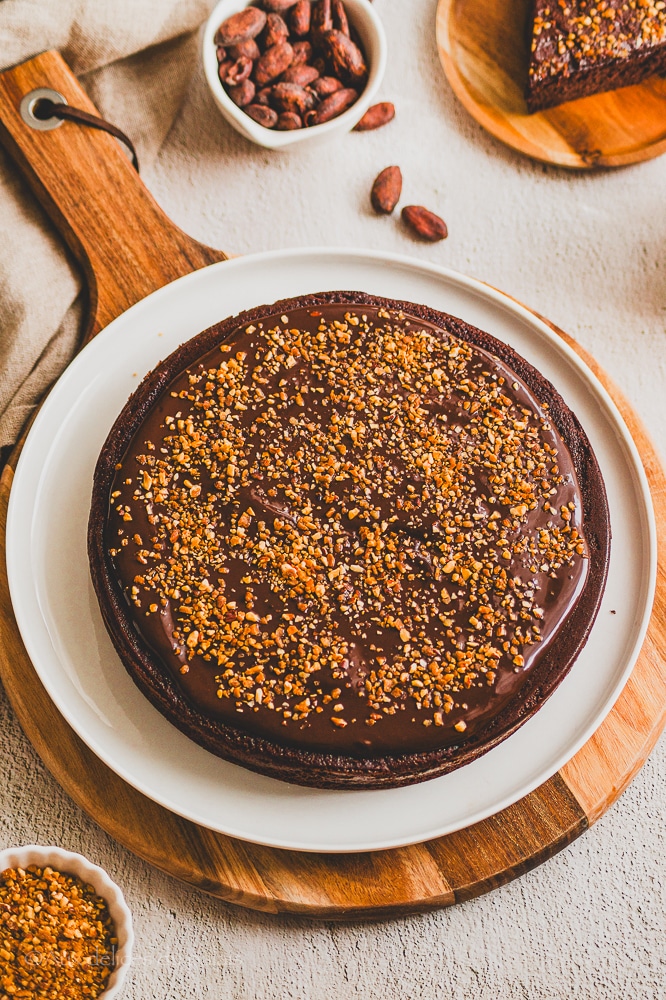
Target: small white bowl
{"x": 371, "y": 32}
{"x": 67, "y": 862}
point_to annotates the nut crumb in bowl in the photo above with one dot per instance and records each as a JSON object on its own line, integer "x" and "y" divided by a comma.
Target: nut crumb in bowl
{"x": 64, "y": 925}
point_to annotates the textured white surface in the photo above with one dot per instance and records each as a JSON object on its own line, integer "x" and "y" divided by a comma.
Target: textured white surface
{"x": 588, "y": 252}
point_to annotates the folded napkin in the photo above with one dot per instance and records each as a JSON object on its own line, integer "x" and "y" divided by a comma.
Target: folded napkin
{"x": 134, "y": 59}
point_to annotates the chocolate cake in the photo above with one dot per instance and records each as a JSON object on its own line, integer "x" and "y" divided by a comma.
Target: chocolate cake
{"x": 583, "y": 47}
{"x": 347, "y": 541}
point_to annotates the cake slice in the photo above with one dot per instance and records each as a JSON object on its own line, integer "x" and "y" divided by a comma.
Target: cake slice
{"x": 584, "y": 47}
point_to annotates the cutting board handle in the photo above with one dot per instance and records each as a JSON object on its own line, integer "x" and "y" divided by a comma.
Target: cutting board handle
{"x": 125, "y": 243}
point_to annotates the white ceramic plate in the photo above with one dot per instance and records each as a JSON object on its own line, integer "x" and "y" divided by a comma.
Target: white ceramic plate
{"x": 62, "y": 628}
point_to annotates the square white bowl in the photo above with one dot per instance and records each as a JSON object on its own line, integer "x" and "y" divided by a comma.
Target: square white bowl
{"x": 373, "y": 39}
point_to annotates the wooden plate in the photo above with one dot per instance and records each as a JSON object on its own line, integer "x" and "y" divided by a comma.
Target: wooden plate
{"x": 484, "y": 50}
{"x": 96, "y": 199}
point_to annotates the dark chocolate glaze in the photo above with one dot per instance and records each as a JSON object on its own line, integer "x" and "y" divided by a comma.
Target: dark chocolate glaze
{"x": 395, "y": 746}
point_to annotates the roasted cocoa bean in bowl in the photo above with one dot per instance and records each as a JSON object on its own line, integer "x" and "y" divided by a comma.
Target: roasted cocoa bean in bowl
{"x": 291, "y": 57}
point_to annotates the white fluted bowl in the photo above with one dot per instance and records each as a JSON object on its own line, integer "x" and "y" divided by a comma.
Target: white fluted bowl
{"x": 67, "y": 862}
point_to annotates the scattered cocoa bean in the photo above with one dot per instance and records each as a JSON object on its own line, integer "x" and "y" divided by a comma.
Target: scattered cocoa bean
{"x": 243, "y": 94}
{"x": 248, "y": 48}
{"x": 324, "y": 86}
{"x": 238, "y": 71}
{"x": 331, "y": 106}
{"x": 376, "y": 116}
{"x": 424, "y": 223}
{"x": 300, "y": 16}
{"x": 291, "y": 97}
{"x": 261, "y": 114}
{"x": 277, "y": 6}
{"x": 386, "y": 190}
{"x": 275, "y": 32}
{"x": 339, "y": 14}
{"x": 346, "y": 57}
{"x": 239, "y": 27}
{"x": 302, "y": 75}
{"x": 302, "y": 53}
{"x": 288, "y": 121}
{"x": 273, "y": 62}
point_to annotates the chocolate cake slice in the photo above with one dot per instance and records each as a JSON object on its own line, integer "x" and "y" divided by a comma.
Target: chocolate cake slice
{"x": 346, "y": 541}
{"x": 583, "y": 47}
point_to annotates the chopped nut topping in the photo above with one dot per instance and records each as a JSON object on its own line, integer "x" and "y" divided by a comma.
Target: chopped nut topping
{"x": 362, "y": 490}
{"x": 57, "y": 937}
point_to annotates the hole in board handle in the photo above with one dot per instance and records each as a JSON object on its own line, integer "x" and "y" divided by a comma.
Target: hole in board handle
{"x": 34, "y": 108}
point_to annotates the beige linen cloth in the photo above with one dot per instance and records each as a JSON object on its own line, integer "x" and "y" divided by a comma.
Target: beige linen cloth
{"x": 134, "y": 58}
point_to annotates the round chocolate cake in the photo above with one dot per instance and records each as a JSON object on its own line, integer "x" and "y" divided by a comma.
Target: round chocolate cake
{"x": 347, "y": 541}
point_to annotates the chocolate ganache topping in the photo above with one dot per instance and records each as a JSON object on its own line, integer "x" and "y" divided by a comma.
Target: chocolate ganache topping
{"x": 348, "y": 530}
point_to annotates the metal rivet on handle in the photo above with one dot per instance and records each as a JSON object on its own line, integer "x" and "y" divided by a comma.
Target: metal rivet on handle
{"x": 29, "y": 103}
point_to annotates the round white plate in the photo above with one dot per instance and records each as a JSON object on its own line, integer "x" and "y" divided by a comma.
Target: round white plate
{"x": 62, "y": 628}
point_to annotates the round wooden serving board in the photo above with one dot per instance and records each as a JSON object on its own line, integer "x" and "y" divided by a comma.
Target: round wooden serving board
{"x": 483, "y": 46}
{"x": 86, "y": 184}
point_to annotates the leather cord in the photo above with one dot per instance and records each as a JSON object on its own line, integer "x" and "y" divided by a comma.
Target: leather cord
{"x": 46, "y": 109}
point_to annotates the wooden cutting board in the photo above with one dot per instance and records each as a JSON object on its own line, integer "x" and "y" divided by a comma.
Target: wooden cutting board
{"x": 128, "y": 248}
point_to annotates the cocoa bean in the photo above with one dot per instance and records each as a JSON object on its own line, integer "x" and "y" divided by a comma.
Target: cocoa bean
{"x": 424, "y": 223}
{"x": 238, "y": 71}
{"x": 248, "y": 48}
{"x": 223, "y": 69}
{"x": 324, "y": 86}
{"x": 288, "y": 121}
{"x": 261, "y": 114}
{"x": 291, "y": 97}
{"x": 275, "y": 32}
{"x": 321, "y": 21}
{"x": 221, "y": 53}
{"x": 331, "y": 106}
{"x": 277, "y": 6}
{"x": 302, "y": 75}
{"x": 242, "y": 94}
{"x": 263, "y": 96}
{"x": 239, "y": 27}
{"x": 376, "y": 116}
{"x": 346, "y": 57}
{"x": 300, "y": 16}
{"x": 339, "y": 14}
{"x": 272, "y": 63}
{"x": 302, "y": 53}
{"x": 386, "y": 190}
